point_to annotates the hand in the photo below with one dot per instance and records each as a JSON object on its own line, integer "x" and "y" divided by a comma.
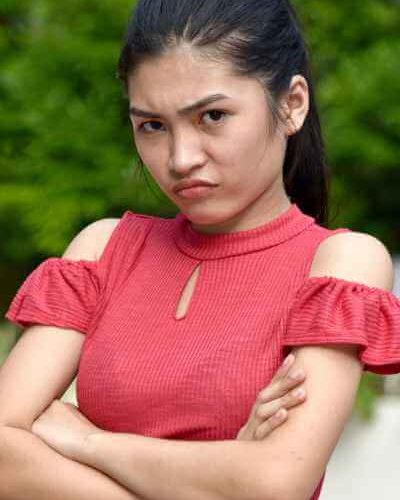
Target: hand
{"x": 278, "y": 395}
{"x": 64, "y": 428}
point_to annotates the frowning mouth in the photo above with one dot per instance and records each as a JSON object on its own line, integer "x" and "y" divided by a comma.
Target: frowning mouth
{"x": 198, "y": 191}
{"x": 193, "y": 188}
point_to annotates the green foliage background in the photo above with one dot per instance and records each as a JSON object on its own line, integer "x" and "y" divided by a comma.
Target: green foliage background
{"x": 66, "y": 153}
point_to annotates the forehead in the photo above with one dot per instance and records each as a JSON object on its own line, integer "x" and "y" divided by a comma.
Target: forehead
{"x": 182, "y": 76}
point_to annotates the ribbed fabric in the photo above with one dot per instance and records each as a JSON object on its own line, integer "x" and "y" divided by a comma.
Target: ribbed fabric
{"x": 216, "y": 246}
{"x": 144, "y": 371}
{"x": 61, "y": 292}
{"x": 331, "y": 311}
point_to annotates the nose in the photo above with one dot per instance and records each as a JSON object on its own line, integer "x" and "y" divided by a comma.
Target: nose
{"x": 187, "y": 153}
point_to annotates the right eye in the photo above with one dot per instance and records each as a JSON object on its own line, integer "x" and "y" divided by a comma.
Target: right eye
{"x": 142, "y": 127}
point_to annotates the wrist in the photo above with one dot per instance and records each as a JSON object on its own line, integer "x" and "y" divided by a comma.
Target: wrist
{"x": 90, "y": 447}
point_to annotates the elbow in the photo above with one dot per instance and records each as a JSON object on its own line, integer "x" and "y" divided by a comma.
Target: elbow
{"x": 284, "y": 487}
{"x": 288, "y": 492}
{"x": 275, "y": 493}
{"x": 15, "y": 419}
{"x": 274, "y": 478}
{"x": 25, "y": 426}
{"x": 269, "y": 488}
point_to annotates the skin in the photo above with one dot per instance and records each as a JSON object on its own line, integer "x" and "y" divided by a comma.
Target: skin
{"x": 227, "y": 142}
{"x": 65, "y": 429}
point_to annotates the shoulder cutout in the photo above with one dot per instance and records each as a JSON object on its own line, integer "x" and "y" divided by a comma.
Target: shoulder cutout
{"x": 357, "y": 257}
{"x": 90, "y": 242}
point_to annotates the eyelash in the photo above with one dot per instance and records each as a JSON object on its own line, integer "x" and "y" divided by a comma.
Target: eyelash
{"x": 140, "y": 128}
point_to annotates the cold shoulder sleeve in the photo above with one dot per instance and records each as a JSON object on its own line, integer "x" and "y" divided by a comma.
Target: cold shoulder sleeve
{"x": 59, "y": 292}
{"x": 329, "y": 310}
{"x": 72, "y": 293}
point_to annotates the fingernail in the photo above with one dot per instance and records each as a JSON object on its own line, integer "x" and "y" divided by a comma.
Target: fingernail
{"x": 297, "y": 374}
{"x": 280, "y": 413}
{"x": 287, "y": 359}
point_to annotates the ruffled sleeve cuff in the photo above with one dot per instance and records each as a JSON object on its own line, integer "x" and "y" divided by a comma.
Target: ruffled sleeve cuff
{"x": 329, "y": 310}
{"x": 59, "y": 292}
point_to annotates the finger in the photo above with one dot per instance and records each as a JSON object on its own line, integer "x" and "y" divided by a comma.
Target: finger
{"x": 270, "y": 391}
{"x": 278, "y": 417}
{"x": 277, "y": 388}
{"x": 284, "y": 367}
{"x": 295, "y": 377}
{"x": 266, "y": 410}
{"x": 292, "y": 398}
{"x": 261, "y": 412}
{"x": 272, "y": 423}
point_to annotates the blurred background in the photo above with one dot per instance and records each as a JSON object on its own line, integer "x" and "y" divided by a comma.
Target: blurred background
{"x": 67, "y": 158}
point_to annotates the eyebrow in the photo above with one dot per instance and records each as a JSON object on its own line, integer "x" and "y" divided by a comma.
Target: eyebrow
{"x": 133, "y": 111}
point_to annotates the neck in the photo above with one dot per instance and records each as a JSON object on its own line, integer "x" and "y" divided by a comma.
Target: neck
{"x": 251, "y": 218}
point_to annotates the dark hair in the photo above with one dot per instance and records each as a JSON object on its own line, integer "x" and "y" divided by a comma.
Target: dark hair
{"x": 261, "y": 39}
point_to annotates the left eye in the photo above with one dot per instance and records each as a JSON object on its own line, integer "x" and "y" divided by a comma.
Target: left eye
{"x": 215, "y": 114}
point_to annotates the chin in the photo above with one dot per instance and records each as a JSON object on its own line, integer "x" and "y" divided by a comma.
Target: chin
{"x": 207, "y": 217}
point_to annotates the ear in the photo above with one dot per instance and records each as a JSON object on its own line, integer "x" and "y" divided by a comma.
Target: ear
{"x": 296, "y": 104}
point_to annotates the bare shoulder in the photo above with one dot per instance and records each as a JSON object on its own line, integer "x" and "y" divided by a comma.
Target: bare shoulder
{"x": 355, "y": 256}
{"x": 304, "y": 444}
{"x": 90, "y": 242}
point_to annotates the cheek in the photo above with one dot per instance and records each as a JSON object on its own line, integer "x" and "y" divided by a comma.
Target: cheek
{"x": 153, "y": 156}
{"x": 246, "y": 143}
{"x": 244, "y": 155}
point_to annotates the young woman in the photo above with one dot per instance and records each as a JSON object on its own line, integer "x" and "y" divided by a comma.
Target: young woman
{"x": 188, "y": 319}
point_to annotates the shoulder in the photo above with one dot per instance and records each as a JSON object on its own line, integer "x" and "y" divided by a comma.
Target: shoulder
{"x": 90, "y": 242}
{"x": 330, "y": 348}
{"x": 355, "y": 256}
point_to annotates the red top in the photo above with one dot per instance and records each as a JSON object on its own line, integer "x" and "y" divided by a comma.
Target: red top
{"x": 144, "y": 371}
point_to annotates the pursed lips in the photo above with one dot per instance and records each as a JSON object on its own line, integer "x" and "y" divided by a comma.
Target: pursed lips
{"x": 192, "y": 183}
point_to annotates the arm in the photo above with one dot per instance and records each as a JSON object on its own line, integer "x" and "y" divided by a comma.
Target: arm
{"x": 239, "y": 470}
{"x": 299, "y": 451}
{"x": 44, "y": 361}
{"x": 31, "y": 469}
{"x": 38, "y": 370}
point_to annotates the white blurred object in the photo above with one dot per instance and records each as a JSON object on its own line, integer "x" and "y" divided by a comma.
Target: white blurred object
{"x": 70, "y": 394}
{"x": 392, "y": 382}
{"x": 396, "y": 288}
{"x": 365, "y": 462}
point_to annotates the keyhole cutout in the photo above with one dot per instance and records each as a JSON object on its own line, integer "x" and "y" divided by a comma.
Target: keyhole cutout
{"x": 187, "y": 294}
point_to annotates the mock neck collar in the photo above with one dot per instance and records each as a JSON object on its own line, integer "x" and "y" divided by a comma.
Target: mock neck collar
{"x": 205, "y": 246}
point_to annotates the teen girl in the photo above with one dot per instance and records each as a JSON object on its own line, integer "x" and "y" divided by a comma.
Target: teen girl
{"x": 187, "y": 320}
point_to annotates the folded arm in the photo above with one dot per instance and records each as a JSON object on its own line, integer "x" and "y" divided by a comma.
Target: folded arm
{"x": 31, "y": 469}
{"x": 288, "y": 464}
{"x": 39, "y": 369}
{"x": 160, "y": 469}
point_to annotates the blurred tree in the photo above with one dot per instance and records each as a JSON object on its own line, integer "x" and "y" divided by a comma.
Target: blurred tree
{"x": 66, "y": 152}
{"x": 355, "y": 49}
